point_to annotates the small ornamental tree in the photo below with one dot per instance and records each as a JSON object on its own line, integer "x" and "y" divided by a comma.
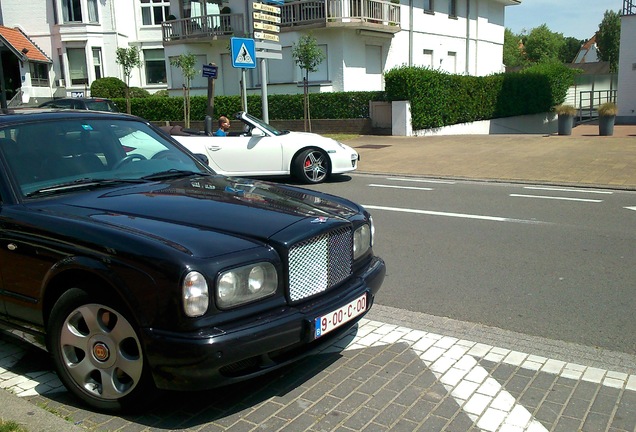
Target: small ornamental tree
{"x": 307, "y": 56}
{"x": 608, "y": 39}
{"x": 186, "y": 63}
{"x": 128, "y": 58}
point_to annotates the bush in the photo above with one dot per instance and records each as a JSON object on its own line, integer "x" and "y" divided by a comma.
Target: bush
{"x": 439, "y": 98}
{"x": 565, "y": 110}
{"x": 136, "y": 92}
{"x": 109, "y": 87}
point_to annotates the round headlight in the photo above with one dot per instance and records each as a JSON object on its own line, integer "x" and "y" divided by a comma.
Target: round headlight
{"x": 228, "y": 287}
{"x": 195, "y": 294}
{"x": 256, "y": 279}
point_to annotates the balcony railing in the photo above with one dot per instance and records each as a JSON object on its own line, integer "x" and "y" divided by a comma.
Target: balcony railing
{"x": 629, "y": 7}
{"x": 207, "y": 26}
{"x": 337, "y": 13}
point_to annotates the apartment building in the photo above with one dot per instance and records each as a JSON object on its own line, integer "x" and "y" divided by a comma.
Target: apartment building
{"x": 360, "y": 39}
{"x": 73, "y": 42}
{"x": 70, "y": 43}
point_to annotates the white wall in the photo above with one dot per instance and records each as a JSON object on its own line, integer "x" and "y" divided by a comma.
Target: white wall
{"x": 626, "y": 99}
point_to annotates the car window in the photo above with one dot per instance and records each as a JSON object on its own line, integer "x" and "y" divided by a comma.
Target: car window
{"x": 45, "y": 154}
{"x": 100, "y": 105}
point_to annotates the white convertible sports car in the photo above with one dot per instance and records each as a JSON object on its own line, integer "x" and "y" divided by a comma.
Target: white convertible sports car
{"x": 262, "y": 150}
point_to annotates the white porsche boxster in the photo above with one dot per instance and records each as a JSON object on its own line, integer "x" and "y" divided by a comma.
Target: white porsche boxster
{"x": 262, "y": 150}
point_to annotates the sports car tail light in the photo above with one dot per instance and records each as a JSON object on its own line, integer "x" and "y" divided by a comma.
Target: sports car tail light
{"x": 319, "y": 263}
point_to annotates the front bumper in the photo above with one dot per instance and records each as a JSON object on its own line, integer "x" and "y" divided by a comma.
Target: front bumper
{"x": 239, "y": 352}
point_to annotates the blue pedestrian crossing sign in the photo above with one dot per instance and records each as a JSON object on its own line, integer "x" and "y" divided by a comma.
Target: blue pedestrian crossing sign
{"x": 243, "y": 53}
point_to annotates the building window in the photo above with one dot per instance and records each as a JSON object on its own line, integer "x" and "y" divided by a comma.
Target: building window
{"x": 452, "y": 62}
{"x": 72, "y": 11}
{"x": 428, "y": 59}
{"x": 92, "y": 11}
{"x": 452, "y": 8}
{"x": 97, "y": 63}
{"x": 77, "y": 66}
{"x": 39, "y": 74}
{"x": 154, "y": 12}
{"x": 428, "y": 6}
{"x": 155, "y": 65}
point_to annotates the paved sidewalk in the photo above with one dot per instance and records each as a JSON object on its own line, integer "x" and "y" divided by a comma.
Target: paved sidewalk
{"x": 583, "y": 158}
{"x": 399, "y": 370}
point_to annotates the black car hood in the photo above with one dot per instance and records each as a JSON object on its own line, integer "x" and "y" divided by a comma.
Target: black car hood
{"x": 229, "y": 205}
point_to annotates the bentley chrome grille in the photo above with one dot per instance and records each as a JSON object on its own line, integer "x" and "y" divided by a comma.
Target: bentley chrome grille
{"x": 317, "y": 264}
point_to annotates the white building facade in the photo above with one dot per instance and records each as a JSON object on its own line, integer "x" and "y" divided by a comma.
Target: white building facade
{"x": 81, "y": 38}
{"x": 626, "y": 97}
{"x": 361, "y": 40}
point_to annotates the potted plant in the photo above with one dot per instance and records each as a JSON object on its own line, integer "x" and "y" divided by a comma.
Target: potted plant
{"x": 606, "y": 118}
{"x": 566, "y": 115}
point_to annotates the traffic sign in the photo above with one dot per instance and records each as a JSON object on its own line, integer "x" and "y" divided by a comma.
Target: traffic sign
{"x": 243, "y": 53}
{"x": 210, "y": 71}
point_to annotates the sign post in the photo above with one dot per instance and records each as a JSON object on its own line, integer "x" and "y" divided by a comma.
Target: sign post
{"x": 210, "y": 72}
{"x": 243, "y": 57}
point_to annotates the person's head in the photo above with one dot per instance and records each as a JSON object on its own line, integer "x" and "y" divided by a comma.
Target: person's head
{"x": 224, "y": 123}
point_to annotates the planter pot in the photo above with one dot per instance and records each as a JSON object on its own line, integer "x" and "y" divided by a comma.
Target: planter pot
{"x": 606, "y": 125}
{"x": 565, "y": 124}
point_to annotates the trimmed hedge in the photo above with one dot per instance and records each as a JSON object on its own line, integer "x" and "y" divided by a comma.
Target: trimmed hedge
{"x": 440, "y": 99}
{"x": 437, "y": 98}
{"x": 341, "y": 105}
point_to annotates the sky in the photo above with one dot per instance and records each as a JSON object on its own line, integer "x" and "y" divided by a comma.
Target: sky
{"x": 573, "y": 18}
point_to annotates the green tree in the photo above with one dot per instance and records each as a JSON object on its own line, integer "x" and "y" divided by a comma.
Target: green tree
{"x": 308, "y": 57}
{"x": 513, "y": 53}
{"x": 186, "y": 63}
{"x": 128, "y": 58}
{"x": 543, "y": 45}
{"x": 570, "y": 49}
{"x": 608, "y": 39}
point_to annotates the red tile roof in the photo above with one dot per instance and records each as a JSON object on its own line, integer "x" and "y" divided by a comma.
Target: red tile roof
{"x": 17, "y": 41}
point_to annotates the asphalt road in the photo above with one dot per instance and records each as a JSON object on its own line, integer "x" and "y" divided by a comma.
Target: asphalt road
{"x": 549, "y": 261}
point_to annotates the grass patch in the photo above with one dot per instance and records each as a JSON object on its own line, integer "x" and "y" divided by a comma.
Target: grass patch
{"x": 11, "y": 426}
{"x": 340, "y": 136}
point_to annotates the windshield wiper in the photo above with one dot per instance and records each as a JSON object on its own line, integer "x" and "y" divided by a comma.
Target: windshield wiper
{"x": 82, "y": 183}
{"x": 173, "y": 173}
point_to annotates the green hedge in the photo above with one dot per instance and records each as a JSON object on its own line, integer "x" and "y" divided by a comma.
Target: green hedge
{"x": 437, "y": 98}
{"x": 440, "y": 99}
{"x": 280, "y": 107}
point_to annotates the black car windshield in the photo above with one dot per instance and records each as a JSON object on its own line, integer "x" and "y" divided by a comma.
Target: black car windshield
{"x": 51, "y": 155}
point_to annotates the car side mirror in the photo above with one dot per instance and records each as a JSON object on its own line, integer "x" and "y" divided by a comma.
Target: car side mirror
{"x": 256, "y": 132}
{"x": 203, "y": 158}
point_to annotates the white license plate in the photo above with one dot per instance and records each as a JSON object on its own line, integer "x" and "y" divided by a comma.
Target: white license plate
{"x": 324, "y": 324}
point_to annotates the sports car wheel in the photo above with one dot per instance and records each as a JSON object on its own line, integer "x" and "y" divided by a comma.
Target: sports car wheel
{"x": 311, "y": 166}
{"x": 97, "y": 352}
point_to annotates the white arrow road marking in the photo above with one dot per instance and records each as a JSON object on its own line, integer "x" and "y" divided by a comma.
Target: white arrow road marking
{"x": 557, "y": 198}
{"x": 630, "y": 208}
{"x": 401, "y": 187}
{"x": 456, "y": 215}
{"x": 479, "y": 395}
{"x": 483, "y": 399}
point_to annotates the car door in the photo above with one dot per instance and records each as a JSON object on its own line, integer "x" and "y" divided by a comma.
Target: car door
{"x": 246, "y": 155}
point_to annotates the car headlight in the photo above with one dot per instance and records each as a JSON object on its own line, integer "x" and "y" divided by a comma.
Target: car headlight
{"x": 195, "y": 294}
{"x": 361, "y": 240}
{"x": 245, "y": 284}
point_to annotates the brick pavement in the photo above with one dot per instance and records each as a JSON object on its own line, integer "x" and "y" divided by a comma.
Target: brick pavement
{"x": 381, "y": 377}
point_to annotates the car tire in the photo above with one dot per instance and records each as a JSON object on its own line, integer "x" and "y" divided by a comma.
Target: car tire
{"x": 311, "y": 166}
{"x": 97, "y": 353}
